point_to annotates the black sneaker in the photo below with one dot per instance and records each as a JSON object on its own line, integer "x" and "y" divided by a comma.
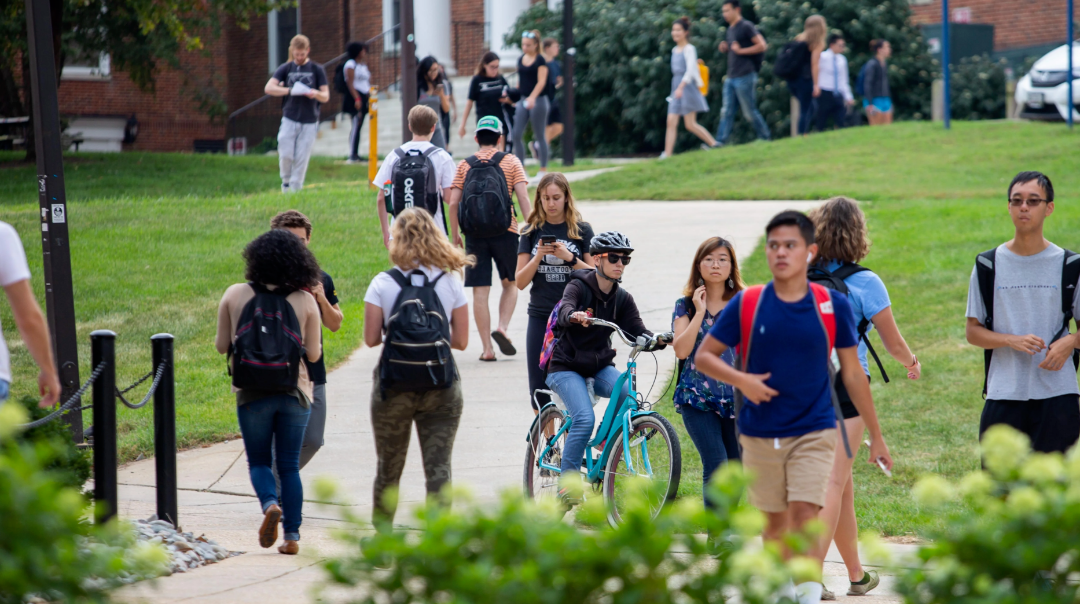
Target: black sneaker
{"x": 568, "y": 500}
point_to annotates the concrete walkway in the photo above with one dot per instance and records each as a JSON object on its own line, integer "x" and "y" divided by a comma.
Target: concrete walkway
{"x": 216, "y": 497}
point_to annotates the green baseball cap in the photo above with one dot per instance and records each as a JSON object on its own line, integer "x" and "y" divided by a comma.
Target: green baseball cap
{"x": 489, "y": 122}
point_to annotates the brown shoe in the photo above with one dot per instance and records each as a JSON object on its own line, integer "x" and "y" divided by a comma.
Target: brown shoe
{"x": 268, "y": 530}
{"x": 290, "y": 548}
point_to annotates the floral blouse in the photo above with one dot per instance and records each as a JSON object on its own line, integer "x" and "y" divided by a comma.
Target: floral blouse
{"x": 695, "y": 389}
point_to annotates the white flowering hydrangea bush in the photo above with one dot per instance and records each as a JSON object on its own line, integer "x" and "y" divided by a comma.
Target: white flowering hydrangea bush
{"x": 1016, "y": 538}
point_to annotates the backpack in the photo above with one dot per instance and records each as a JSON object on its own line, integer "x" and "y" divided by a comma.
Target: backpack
{"x": 416, "y": 351}
{"x": 1070, "y": 273}
{"x": 552, "y": 332}
{"x": 339, "y": 79}
{"x": 748, "y": 310}
{"x": 835, "y": 281}
{"x": 789, "y": 63}
{"x": 860, "y": 82}
{"x": 268, "y": 346}
{"x": 485, "y": 209}
{"x": 414, "y": 181}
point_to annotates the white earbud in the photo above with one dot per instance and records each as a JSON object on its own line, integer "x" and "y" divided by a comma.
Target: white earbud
{"x": 809, "y": 256}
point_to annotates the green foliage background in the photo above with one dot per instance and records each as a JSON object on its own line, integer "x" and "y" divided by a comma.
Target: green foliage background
{"x": 624, "y": 47}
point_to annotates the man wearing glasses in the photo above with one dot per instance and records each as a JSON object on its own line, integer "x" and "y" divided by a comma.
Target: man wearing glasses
{"x": 1030, "y": 285}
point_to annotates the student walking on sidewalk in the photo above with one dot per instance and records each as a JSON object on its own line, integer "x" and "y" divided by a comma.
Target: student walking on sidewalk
{"x": 786, "y": 332}
{"x": 432, "y": 91}
{"x": 406, "y": 390}
{"x": 302, "y": 83}
{"x": 260, "y": 320}
{"x": 805, "y": 84}
{"x": 554, "y": 242}
{"x": 877, "y": 96}
{"x": 1021, "y": 298}
{"x": 841, "y": 235}
{"x": 686, "y": 99}
{"x": 745, "y": 48}
{"x": 707, "y": 406}
{"x": 834, "y": 79}
{"x": 533, "y": 106}
{"x": 355, "y": 103}
{"x": 489, "y": 91}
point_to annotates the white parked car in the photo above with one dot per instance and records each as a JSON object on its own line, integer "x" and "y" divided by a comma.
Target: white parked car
{"x": 1042, "y": 94}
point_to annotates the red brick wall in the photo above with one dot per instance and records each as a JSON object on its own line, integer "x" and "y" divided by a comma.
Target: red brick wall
{"x": 467, "y": 34}
{"x": 1017, "y": 23}
{"x": 169, "y": 120}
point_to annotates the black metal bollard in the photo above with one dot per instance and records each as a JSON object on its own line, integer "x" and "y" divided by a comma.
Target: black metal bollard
{"x": 106, "y": 492}
{"x": 165, "y": 429}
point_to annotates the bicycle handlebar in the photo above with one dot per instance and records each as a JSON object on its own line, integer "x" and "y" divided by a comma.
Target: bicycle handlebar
{"x": 663, "y": 338}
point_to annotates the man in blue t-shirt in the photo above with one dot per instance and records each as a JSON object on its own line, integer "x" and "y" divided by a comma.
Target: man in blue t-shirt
{"x": 787, "y": 429}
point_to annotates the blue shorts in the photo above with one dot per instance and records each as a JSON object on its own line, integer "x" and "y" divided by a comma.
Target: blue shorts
{"x": 881, "y": 103}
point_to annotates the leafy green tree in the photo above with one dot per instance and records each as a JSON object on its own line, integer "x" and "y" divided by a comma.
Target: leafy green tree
{"x": 978, "y": 88}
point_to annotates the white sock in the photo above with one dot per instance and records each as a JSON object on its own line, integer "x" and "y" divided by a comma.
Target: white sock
{"x": 809, "y": 592}
{"x": 787, "y": 592}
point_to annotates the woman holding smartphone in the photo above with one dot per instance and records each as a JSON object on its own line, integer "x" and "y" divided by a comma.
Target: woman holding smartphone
{"x": 554, "y": 242}
{"x": 431, "y": 91}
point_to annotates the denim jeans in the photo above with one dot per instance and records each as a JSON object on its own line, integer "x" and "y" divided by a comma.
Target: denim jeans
{"x": 803, "y": 89}
{"x": 715, "y": 439}
{"x": 740, "y": 91}
{"x": 570, "y": 386}
{"x": 5, "y": 390}
{"x": 277, "y": 421}
{"x": 313, "y": 435}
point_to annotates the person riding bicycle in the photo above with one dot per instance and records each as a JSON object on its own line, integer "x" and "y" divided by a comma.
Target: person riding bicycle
{"x": 585, "y": 352}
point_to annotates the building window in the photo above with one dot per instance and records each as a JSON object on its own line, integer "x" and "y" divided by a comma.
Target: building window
{"x": 283, "y": 25}
{"x": 86, "y": 66}
{"x": 392, "y": 18}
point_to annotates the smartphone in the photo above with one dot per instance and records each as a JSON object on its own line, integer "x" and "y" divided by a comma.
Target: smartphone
{"x": 880, "y": 463}
{"x": 700, "y": 282}
{"x": 547, "y": 240}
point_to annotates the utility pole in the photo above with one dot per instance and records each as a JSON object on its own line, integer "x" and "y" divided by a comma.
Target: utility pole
{"x": 55, "y": 244}
{"x": 408, "y": 67}
{"x": 1072, "y": 74}
{"x": 947, "y": 84}
{"x": 568, "y": 83}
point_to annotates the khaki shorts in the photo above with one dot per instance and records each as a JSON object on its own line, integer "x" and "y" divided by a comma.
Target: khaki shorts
{"x": 789, "y": 469}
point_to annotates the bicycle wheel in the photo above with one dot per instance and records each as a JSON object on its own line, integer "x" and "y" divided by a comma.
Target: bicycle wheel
{"x": 541, "y": 483}
{"x": 655, "y": 454}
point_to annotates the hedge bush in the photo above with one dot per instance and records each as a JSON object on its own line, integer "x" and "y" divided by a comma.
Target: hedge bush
{"x": 978, "y": 88}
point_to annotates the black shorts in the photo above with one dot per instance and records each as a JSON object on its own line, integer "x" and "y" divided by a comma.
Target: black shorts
{"x": 1052, "y": 424}
{"x": 847, "y": 408}
{"x": 554, "y": 112}
{"x": 348, "y": 105}
{"x": 500, "y": 249}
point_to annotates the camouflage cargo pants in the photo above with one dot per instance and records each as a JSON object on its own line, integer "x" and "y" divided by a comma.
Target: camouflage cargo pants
{"x": 436, "y": 414}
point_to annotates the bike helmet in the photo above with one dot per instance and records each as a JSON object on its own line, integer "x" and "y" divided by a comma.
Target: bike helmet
{"x": 610, "y": 241}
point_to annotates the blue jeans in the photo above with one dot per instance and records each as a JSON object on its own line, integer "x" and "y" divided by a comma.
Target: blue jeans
{"x": 570, "y": 386}
{"x": 715, "y": 439}
{"x": 803, "y": 89}
{"x": 740, "y": 91}
{"x": 5, "y": 390}
{"x": 277, "y": 421}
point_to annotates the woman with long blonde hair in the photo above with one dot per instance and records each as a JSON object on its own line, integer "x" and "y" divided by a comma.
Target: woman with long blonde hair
{"x": 706, "y": 405}
{"x": 805, "y": 87}
{"x": 300, "y": 111}
{"x": 843, "y": 241}
{"x": 423, "y": 258}
{"x": 554, "y": 242}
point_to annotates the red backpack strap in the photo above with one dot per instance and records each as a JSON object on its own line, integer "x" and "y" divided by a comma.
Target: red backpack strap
{"x": 823, "y": 305}
{"x": 748, "y": 308}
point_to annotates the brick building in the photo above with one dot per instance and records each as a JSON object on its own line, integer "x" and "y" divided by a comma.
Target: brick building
{"x": 188, "y": 109}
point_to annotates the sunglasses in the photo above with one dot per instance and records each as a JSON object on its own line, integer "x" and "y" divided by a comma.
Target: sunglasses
{"x": 528, "y": 34}
{"x": 1017, "y": 202}
{"x": 617, "y": 258}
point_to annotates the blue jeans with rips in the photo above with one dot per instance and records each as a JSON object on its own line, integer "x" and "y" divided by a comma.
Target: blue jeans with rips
{"x": 570, "y": 386}
{"x": 741, "y": 91}
{"x": 278, "y": 421}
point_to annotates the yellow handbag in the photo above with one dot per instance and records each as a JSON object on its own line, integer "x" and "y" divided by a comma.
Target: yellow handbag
{"x": 704, "y": 69}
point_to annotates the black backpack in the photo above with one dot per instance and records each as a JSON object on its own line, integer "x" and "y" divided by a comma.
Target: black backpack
{"x": 485, "y": 209}
{"x": 791, "y": 60}
{"x": 339, "y": 79}
{"x": 268, "y": 346}
{"x": 416, "y": 351}
{"x": 984, "y": 270}
{"x": 414, "y": 181}
{"x": 835, "y": 280}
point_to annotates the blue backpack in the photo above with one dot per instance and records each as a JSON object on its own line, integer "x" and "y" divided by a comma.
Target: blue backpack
{"x": 860, "y": 82}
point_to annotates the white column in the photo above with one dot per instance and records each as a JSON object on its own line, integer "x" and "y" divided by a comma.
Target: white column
{"x": 433, "y": 28}
{"x": 502, "y": 15}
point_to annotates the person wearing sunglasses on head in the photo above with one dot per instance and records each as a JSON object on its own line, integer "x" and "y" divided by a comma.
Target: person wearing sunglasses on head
{"x": 1021, "y": 297}
{"x": 583, "y": 351}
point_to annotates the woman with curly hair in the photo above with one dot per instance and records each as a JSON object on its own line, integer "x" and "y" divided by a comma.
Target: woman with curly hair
{"x": 840, "y": 231}
{"x": 418, "y": 249}
{"x": 280, "y": 262}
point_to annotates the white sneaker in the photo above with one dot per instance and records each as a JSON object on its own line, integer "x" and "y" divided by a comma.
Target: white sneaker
{"x": 351, "y": 161}
{"x": 540, "y": 174}
{"x": 664, "y": 155}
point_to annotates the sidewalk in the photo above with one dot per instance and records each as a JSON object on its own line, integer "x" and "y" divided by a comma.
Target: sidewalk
{"x": 216, "y": 497}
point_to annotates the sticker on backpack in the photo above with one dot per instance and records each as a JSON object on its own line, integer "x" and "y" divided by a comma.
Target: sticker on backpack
{"x": 826, "y": 307}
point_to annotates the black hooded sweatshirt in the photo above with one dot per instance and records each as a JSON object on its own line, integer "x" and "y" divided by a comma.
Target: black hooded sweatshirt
{"x": 587, "y": 350}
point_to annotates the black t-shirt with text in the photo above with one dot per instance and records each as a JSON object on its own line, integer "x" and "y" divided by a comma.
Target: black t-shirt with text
{"x": 317, "y": 370}
{"x": 553, "y": 273}
{"x": 300, "y": 108}
{"x": 485, "y": 92}
{"x": 739, "y": 65}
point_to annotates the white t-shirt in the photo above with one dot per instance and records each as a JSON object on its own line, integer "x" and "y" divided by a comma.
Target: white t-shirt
{"x": 444, "y": 171}
{"x": 361, "y": 76}
{"x": 13, "y": 268}
{"x": 383, "y": 291}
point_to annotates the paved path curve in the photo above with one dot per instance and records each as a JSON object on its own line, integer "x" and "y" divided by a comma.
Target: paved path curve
{"x": 217, "y": 497}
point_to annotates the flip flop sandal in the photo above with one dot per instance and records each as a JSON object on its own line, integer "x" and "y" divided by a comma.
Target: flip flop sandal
{"x": 505, "y": 346}
{"x": 487, "y": 360}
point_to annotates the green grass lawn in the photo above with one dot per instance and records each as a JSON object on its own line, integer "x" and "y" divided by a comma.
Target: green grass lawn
{"x": 944, "y": 204}
{"x": 154, "y": 254}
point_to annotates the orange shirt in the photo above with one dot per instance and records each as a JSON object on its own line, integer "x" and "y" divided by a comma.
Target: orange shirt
{"x": 512, "y": 170}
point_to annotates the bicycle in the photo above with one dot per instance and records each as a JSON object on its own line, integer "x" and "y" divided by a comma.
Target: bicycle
{"x": 630, "y": 442}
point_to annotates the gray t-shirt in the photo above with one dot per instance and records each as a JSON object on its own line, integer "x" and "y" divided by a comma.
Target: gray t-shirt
{"x": 1027, "y": 300}
{"x": 739, "y": 65}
